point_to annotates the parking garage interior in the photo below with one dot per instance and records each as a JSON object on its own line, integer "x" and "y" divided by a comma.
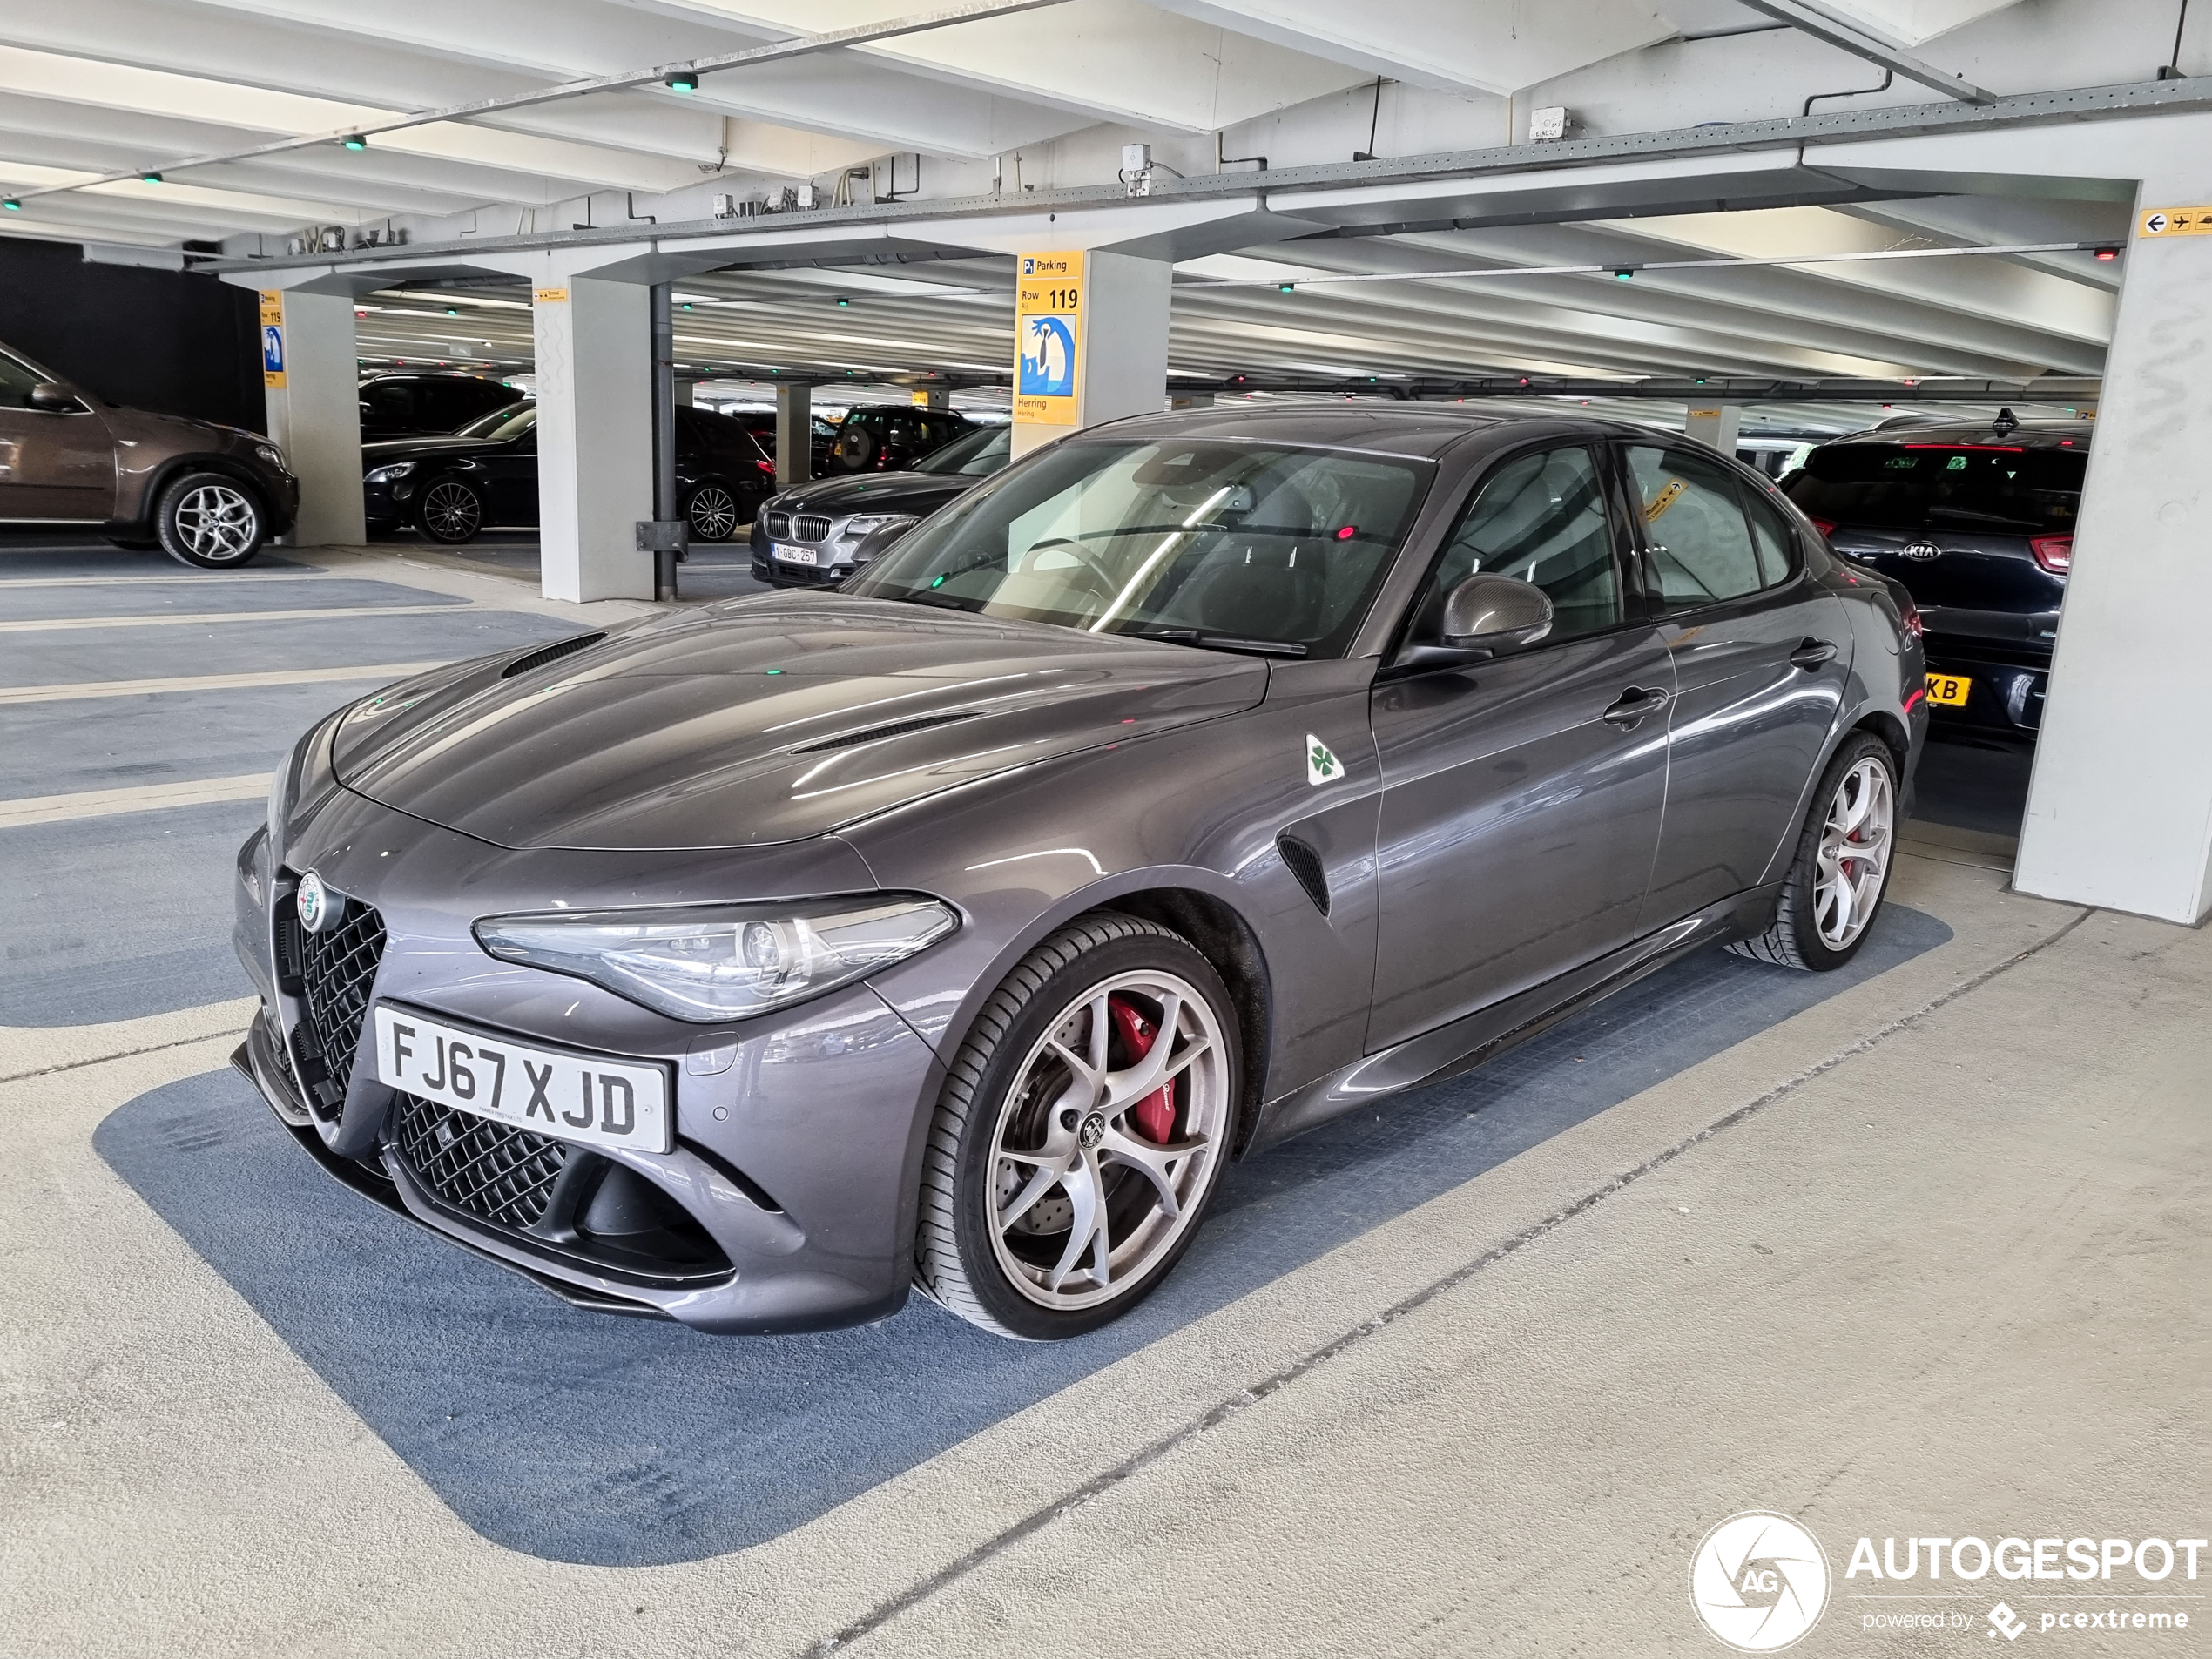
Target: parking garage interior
{"x": 1901, "y": 1253}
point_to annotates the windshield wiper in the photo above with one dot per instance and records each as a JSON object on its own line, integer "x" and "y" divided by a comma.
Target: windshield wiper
{"x": 942, "y": 601}
{"x": 1206, "y": 641}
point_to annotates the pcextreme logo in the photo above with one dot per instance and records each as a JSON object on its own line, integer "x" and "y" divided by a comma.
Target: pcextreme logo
{"x": 1758, "y": 1581}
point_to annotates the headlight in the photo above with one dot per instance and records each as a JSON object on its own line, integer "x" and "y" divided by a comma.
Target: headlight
{"x": 388, "y": 475}
{"x": 706, "y": 963}
{"x": 868, "y": 523}
{"x": 271, "y": 454}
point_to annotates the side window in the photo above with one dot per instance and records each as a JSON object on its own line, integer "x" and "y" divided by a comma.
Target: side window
{"x": 1694, "y": 524}
{"x": 1770, "y": 536}
{"x": 388, "y": 403}
{"x": 15, "y": 382}
{"x": 1540, "y": 518}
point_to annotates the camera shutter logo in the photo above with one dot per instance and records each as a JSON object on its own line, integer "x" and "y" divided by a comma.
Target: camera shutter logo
{"x": 1758, "y": 1581}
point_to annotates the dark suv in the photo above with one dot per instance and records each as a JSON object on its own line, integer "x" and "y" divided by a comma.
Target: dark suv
{"x": 204, "y": 494}
{"x": 409, "y": 406}
{"x": 892, "y": 437}
{"x": 1977, "y": 522}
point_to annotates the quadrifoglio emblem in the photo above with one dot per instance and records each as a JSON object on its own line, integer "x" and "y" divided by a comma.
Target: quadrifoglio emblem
{"x": 1758, "y": 1581}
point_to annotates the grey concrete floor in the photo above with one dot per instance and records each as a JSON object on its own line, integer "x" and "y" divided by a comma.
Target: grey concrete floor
{"x": 1925, "y": 1259}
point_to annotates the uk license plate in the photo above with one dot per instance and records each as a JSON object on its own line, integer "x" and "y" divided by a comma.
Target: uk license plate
{"x": 1950, "y": 689}
{"x": 583, "y": 1098}
{"x": 789, "y": 555}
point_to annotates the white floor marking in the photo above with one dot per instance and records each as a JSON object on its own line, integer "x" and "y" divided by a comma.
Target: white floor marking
{"x": 194, "y": 618}
{"x": 201, "y": 580}
{"x": 136, "y": 798}
{"x": 379, "y": 672}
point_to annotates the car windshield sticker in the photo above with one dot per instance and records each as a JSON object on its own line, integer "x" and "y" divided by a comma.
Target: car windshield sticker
{"x": 1320, "y": 765}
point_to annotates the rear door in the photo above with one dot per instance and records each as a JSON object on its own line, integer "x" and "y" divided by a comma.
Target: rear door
{"x": 388, "y": 409}
{"x": 54, "y": 464}
{"x": 1760, "y": 655}
{"x": 1522, "y": 796}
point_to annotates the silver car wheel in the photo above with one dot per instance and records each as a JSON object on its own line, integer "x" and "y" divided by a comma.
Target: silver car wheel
{"x": 217, "y": 522}
{"x": 1854, "y": 853}
{"x": 714, "y": 513}
{"x": 1102, "y": 1144}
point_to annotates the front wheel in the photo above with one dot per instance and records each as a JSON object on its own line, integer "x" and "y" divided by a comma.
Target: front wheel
{"x": 1082, "y": 1132}
{"x": 449, "y": 511}
{"x": 1842, "y": 868}
{"x": 209, "y": 520}
{"x": 713, "y": 513}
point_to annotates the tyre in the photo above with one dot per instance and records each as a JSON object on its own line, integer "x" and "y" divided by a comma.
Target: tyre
{"x": 713, "y": 514}
{"x": 1835, "y": 885}
{"x": 210, "y": 520}
{"x": 449, "y": 511}
{"x": 1081, "y": 1133}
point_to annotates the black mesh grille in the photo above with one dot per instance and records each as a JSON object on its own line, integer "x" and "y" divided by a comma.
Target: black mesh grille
{"x": 896, "y": 728}
{"x": 552, "y": 653}
{"x": 336, "y": 970}
{"x": 1306, "y": 864}
{"x": 493, "y": 1171}
{"x": 811, "y": 527}
{"x": 777, "y": 525}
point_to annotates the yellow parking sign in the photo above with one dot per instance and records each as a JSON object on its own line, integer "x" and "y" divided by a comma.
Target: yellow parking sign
{"x": 1047, "y": 325}
{"x": 273, "y": 339}
{"x": 2175, "y": 221}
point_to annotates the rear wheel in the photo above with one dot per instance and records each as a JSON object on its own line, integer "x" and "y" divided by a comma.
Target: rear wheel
{"x": 209, "y": 520}
{"x": 449, "y": 511}
{"x": 713, "y": 513}
{"x": 1082, "y": 1132}
{"x": 1842, "y": 868}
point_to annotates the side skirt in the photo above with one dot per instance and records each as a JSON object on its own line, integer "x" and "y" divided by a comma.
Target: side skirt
{"x": 1470, "y": 1040}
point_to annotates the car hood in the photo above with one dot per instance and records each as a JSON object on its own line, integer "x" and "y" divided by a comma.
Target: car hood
{"x": 876, "y": 492}
{"x": 386, "y": 450}
{"x": 762, "y": 720}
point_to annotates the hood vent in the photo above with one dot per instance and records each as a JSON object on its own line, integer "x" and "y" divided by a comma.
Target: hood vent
{"x": 1305, "y": 863}
{"x": 552, "y": 653}
{"x": 896, "y": 728}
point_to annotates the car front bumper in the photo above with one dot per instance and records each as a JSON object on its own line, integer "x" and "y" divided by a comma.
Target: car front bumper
{"x": 788, "y": 1201}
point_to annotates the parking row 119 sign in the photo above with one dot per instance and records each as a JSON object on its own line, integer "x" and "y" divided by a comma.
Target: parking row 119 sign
{"x": 1047, "y": 321}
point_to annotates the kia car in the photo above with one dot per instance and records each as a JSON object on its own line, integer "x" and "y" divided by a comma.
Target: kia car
{"x": 1194, "y": 780}
{"x": 821, "y": 532}
{"x": 1976, "y": 520}
{"x": 207, "y": 495}
{"x": 485, "y": 476}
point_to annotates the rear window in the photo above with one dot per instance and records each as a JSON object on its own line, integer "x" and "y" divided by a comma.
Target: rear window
{"x": 1915, "y": 486}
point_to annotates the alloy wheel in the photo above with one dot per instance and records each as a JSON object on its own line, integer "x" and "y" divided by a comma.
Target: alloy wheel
{"x": 1854, "y": 852}
{"x": 452, "y": 512}
{"x": 714, "y": 513}
{"x": 1109, "y": 1133}
{"x": 216, "y": 522}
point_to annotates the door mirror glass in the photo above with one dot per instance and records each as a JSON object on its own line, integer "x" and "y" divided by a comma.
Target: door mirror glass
{"x": 47, "y": 395}
{"x": 1494, "y": 613}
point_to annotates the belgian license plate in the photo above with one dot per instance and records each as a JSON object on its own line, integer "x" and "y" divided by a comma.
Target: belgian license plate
{"x": 571, "y": 1096}
{"x": 791, "y": 554}
{"x": 1950, "y": 689}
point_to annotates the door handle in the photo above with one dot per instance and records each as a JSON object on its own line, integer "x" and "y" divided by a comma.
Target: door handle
{"x": 1812, "y": 653}
{"x": 1634, "y": 705}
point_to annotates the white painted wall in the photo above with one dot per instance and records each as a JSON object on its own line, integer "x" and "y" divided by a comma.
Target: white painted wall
{"x": 595, "y": 438}
{"x": 315, "y": 418}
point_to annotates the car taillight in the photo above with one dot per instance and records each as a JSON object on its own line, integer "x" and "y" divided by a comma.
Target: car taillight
{"x": 768, "y": 466}
{"x": 1826, "y": 527}
{"x": 1909, "y": 614}
{"x": 2053, "y": 553}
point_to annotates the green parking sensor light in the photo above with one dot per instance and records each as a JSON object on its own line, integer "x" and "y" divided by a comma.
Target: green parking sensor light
{"x": 683, "y": 81}
{"x": 1623, "y": 275}
{"x": 12, "y": 204}
{"x": 357, "y": 142}
{"x": 149, "y": 177}
{"x": 1286, "y": 287}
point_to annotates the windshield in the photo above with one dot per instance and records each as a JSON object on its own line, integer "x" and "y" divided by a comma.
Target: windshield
{"x": 501, "y": 423}
{"x": 977, "y": 455}
{"x": 1958, "y": 486}
{"x": 1213, "y": 542}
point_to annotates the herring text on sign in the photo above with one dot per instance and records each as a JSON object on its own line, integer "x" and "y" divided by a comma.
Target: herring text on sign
{"x": 1047, "y": 325}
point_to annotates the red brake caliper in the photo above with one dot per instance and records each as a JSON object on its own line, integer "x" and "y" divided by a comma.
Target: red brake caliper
{"x": 1155, "y": 1114}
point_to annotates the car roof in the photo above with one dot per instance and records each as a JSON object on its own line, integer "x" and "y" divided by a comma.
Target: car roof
{"x": 1411, "y": 429}
{"x": 439, "y": 375}
{"x": 2026, "y": 434}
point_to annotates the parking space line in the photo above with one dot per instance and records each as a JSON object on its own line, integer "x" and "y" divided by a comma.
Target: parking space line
{"x": 201, "y": 580}
{"x": 39, "y": 625}
{"x": 377, "y": 672}
{"x": 135, "y": 797}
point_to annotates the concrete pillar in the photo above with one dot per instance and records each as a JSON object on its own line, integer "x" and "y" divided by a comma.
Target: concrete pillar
{"x": 315, "y": 411}
{"x": 595, "y": 438}
{"x": 686, "y": 392}
{"x": 1120, "y": 327}
{"x": 2119, "y": 806}
{"x": 794, "y": 435}
{"x": 1716, "y": 426}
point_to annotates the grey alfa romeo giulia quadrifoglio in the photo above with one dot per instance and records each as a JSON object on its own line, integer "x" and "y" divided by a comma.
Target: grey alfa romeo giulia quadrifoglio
{"x": 1193, "y": 780}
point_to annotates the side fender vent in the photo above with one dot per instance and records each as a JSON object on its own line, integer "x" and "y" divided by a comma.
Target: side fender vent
{"x": 1305, "y": 863}
{"x": 552, "y": 653}
{"x": 896, "y": 728}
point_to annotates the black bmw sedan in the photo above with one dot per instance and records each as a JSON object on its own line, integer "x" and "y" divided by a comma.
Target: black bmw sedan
{"x": 821, "y": 532}
{"x": 1977, "y": 522}
{"x": 485, "y": 476}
